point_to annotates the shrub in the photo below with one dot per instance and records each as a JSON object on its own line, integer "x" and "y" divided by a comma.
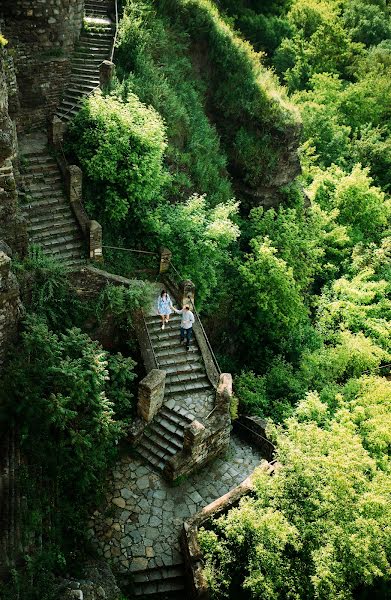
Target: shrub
{"x": 120, "y": 146}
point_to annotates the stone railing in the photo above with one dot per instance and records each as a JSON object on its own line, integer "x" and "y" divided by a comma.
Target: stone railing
{"x": 198, "y": 588}
{"x": 73, "y": 178}
{"x": 203, "y": 441}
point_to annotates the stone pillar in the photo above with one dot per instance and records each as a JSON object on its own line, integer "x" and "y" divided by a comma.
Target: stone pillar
{"x": 106, "y": 72}
{"x": 224, "y": 393}
{"x": 9, "y": 306}
{"x": 95, "y": 241}
{"x": 151, "y": 394}
{"x": 75, "y": 181}
{"x": 188, "y": 292}
{"x": 165, "y": 260}
{"x": 193, "y": 436}
{"x": 57, "y": 132}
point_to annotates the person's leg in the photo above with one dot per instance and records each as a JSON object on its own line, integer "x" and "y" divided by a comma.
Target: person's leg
{"x": 188, "y": 337}
{"x": 182, "y": 334}
{"x": 163, "y": 320}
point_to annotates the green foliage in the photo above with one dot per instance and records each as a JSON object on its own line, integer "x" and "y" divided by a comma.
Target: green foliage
{"x": 318, "y": 527}
{"x": 362, "y": 208}
{"x": 47, "y": 291}
{"x": 239, "y": 85}
{"x": 154, "y": 61}
{"x": 120, "y": 146}
{"x": 122, "y": 302}
{"x": 202, "y": 238}
{"x": 271, "y": 308}
{"x": 3, "y": 41}
{"x": 58, "y": 389}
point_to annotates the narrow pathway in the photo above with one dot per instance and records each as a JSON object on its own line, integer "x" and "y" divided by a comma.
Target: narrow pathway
{"x": 51, "y": 223}
{"x": 94, "y": 46}
{"x": 138, "y": 527}
{"x": 188, "y": 394}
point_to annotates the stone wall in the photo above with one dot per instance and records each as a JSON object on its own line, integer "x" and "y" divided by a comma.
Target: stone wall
{"x": 42, "y": 35}
{"x": 9, "y": 306}
{"x": 204, "y": 441}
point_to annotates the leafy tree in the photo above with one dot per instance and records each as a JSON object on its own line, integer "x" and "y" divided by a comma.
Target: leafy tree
{"x": 271, "y": 309}
{"x": 201, "y": 237}
{"x": 317, "y": 529}
{"x": 367, "y": 22}
{"x": 120, "y": 147}
{"x": 58, "y": 389}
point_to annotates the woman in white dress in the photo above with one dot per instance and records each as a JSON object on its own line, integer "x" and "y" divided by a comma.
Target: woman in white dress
{"x": 164, "y": 307}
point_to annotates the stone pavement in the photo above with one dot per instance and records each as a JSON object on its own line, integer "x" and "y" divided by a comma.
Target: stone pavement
{"x": 139, "y": 525}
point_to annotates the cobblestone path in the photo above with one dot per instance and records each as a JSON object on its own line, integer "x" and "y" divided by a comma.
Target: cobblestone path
{"x": 139, "y": 526}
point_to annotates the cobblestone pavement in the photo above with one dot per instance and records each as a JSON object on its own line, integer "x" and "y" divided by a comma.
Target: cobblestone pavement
{"x": 139, "y": 526}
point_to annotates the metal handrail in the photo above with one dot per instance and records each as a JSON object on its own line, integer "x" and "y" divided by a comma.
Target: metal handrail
{"x": 116, "y": 31}
{"x": 130, "y": 250}
{"x": 200, "y": 322}
{"x": 77, "y": 103}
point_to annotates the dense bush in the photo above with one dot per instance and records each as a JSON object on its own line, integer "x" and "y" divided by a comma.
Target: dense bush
{"x": 62, "y": 389}
{"x": 120, "y": 146}
{"x": 318, "y": 527}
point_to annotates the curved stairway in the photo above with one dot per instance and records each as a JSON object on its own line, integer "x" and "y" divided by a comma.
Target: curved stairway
{"x": 94, "y": 46}
{"x": 188, "y": 392}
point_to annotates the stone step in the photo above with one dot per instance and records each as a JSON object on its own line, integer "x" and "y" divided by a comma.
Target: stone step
{"x": 176, "y": 352}
{"x": 150, "y": 457}
{"x": 36, "y": 199}
{"x": 161, "y": 443}
{"x": 85, "y": 81}
{"x": 168, "y": 343}
{"x": 177, "y": 417}
{"x": 37, "y": 189}
{"x": 176, "y": 368}
{"x": 169, "y": 333}
{"x": 59, "y": 215}
{"x": 161, "y": 452}
{"x": 187, "y": 377}
{"x": 161, "y": 437}
{"x": 150, "y": 319}
{"x": 55, "y": 241}
{"x": 37, "y": 210}
{"x": 160, "y": 582}
{"x": 187, "y": 389}
{"x": 166, "y": 428}
{"x": 52, "y": 228}
{"x": 66, "y": 114}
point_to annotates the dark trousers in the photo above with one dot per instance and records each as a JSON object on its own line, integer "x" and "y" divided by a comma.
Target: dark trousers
{"x": 186, "y": 333}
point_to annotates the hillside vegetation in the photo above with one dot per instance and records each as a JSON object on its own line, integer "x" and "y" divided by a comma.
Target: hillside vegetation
{"x": 252, "y": 138}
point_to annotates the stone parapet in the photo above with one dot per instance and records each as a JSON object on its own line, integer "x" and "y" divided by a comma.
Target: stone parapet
{"x": 253, "y": 429}
{"x": 204, "y": 441}
{"x": 151, "y": 394}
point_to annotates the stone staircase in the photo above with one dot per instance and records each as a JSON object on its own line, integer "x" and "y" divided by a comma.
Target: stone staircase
{"x": 50, "y": 220}
{"x": 185, "y": 379}
{"x": 163, "y": 583}
{"x": 94, "y": 46}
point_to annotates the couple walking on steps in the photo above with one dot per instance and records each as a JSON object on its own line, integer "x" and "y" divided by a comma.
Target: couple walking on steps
{"x": 165, "y": 309}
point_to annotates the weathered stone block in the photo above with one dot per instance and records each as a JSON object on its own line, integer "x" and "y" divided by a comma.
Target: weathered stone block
{"x": 151, "y": 394}
{"x": 106, "y": 72}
